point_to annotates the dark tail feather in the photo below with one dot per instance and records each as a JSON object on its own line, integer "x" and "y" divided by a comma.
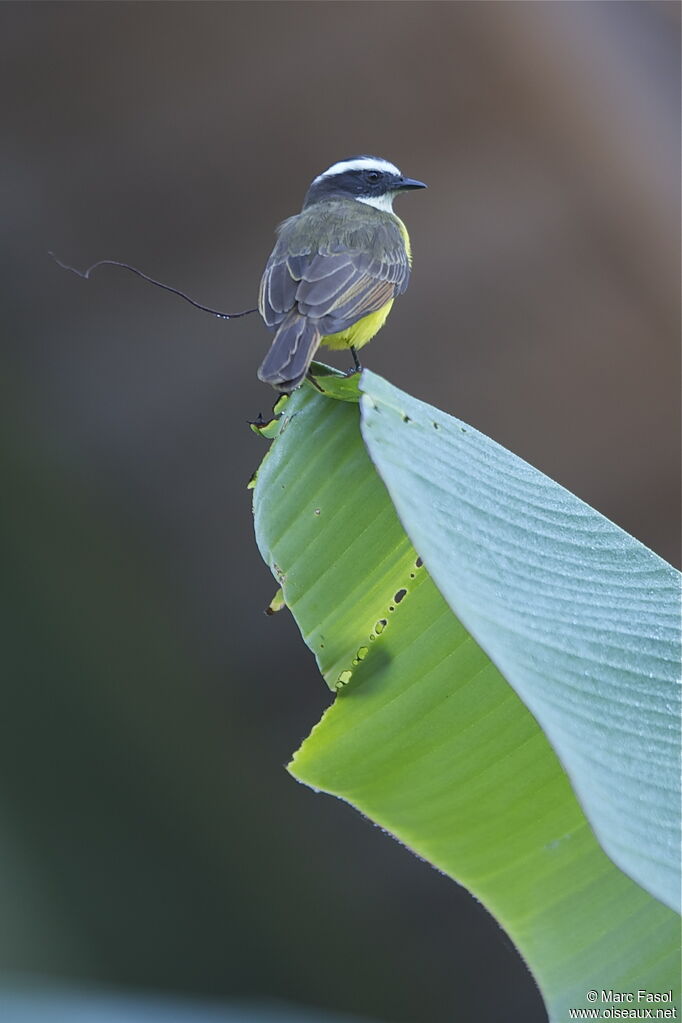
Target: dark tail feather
{"x": 291, "y": 353}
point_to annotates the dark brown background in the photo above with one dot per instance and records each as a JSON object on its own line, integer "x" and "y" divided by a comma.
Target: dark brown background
{"x": 149, "y": 836}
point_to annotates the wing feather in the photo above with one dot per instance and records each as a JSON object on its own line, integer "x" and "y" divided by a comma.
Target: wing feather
{"x": 280, "y": 289}
{"x": 323, "y": 293}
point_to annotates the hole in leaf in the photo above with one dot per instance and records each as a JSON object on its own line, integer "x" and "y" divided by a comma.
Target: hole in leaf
{"x": 344, "y": 678}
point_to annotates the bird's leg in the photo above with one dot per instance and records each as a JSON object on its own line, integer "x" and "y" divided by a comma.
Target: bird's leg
{"x": 313, "y": 381}
{"x": 358, "y": 367}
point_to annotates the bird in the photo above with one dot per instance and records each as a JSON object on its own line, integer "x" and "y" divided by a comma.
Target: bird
{"x": 336, "y": 268}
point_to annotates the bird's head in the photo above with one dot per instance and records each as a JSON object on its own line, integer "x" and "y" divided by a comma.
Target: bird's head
{"x": 368, "y": 179}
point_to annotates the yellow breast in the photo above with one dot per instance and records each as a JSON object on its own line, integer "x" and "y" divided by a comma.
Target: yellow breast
{"x": 406, "y": 238}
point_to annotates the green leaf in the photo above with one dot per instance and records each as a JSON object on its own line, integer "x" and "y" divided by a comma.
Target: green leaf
{"x": 425, "y": 736}
{"x": 276, "y": 604}
{"x": 334, "y": 384}
{"x": 579, "y": 617}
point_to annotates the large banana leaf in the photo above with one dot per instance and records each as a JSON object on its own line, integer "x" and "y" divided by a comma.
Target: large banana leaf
{"x": 426, "y": 737}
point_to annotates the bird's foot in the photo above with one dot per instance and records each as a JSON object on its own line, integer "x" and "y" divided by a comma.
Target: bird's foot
{"x": 357, "y": 368}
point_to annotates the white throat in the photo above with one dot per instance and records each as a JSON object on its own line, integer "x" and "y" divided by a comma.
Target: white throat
{"x": 379, "y": 202}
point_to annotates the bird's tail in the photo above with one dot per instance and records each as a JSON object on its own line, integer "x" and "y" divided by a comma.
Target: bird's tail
{"x": 291, "y": 352}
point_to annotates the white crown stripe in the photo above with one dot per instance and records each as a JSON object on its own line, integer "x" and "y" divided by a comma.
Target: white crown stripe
{"x": 362, "y": 163}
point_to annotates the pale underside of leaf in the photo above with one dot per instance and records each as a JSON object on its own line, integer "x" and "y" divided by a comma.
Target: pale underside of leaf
{"x": 581, "y": 618}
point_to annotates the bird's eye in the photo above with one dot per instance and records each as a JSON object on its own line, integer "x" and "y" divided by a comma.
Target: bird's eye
{"x": 373, "y": 176}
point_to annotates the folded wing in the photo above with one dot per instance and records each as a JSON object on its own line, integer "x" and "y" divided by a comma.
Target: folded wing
{"x": 335, "y": 284}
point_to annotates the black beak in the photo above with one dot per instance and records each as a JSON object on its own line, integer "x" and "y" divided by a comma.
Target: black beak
{"x": 403, "y": 184}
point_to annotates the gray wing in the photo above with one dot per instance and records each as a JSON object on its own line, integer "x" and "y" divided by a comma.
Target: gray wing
{"x": 345, "y": 278}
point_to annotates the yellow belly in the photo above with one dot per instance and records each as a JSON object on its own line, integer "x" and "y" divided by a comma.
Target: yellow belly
{"x": 361, "y": 331}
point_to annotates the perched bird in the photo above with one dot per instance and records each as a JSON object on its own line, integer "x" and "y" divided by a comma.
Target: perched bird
{"x": 336, "y": 268}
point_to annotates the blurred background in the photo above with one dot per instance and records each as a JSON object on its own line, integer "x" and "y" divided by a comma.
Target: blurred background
{"x": 150, "y": 838}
